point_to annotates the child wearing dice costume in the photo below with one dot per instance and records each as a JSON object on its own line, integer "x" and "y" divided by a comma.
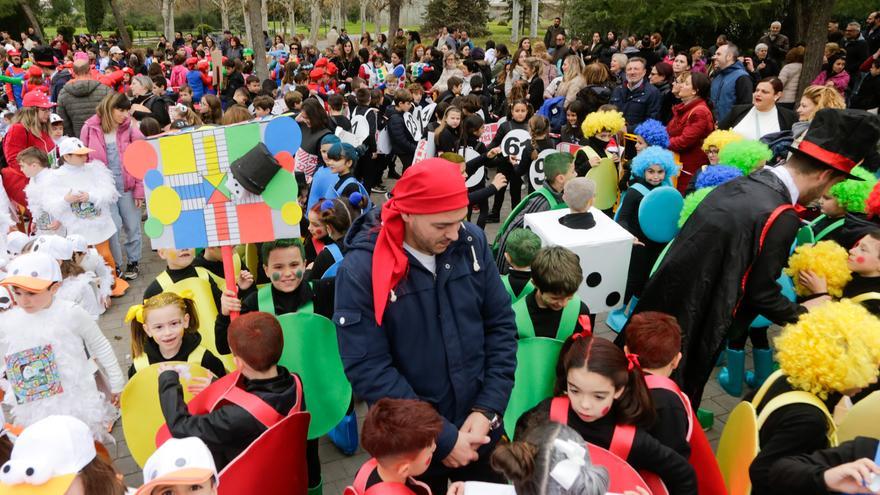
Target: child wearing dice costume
{"x": 558, "y": 170}
{"x": 400, "y": 435}
{"x": 553, "y": 310}
{"x": 579, "y": 194}
{"x": 228, "y": 429}
{"x": 47, "y": 365}
{"x": 520, "y": 251}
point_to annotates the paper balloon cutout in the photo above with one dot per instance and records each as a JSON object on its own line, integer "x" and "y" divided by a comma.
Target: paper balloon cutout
{"x": 861, "y": 420}
{"x": 606, "y": 178}
{"x": 141, "y": 412}
{"x": 738, "y": 447}
{"x": 534, "y": 378}
{"x": 659, "y": 212}
{"x": 622, "y": 476}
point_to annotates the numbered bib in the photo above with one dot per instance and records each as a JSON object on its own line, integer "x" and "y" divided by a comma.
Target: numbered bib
{"x": 426, "y": 113}
{"x": 360, "y": 128}
{"x": 476, "y": 178}
{"x": 413, "y": 124}
{"x": 514, "y": 142}
{"x": 536, "y": 171}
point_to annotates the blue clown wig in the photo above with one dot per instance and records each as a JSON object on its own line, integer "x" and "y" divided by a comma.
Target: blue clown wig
{"x": 716, "y": 175}
{"x": 330, "y": 139}
{"x": 655, "y": 155}
{"x": 343, "y": 150}
{"x": 654, "y": 133}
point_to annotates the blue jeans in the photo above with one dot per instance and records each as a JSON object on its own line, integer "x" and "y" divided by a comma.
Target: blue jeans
{"x": 127, "y": 218}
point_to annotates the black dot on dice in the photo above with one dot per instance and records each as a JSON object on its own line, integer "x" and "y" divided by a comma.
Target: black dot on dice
{"x": 612, "y": 299}
{"x": 594, "y": 279}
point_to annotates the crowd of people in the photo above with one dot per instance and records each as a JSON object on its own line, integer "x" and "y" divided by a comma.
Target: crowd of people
{"x": 403, "y": 139}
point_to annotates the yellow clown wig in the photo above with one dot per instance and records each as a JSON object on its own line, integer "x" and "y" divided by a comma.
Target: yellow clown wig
{"x": 826, "y": 259}
{"x": 602, "y": 120}
{"x": 833, "y": 348}
{"x": 720, "y": 139}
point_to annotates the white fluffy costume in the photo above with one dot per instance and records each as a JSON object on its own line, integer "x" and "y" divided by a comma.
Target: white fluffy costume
{"x": 90, "y": 219}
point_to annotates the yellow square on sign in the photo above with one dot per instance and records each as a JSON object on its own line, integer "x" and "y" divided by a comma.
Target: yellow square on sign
{"x": 178, "y": 156}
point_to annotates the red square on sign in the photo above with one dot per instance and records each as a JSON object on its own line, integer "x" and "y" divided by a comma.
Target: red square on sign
{"x": 255, "y": 223}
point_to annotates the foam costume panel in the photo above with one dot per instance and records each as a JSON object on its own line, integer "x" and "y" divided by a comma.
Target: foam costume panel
{"x": 604, "y": 251}
{"x": 194, "y": 201}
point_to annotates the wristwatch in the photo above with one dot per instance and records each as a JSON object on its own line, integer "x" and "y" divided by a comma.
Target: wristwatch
{"x": 492, "y": 416}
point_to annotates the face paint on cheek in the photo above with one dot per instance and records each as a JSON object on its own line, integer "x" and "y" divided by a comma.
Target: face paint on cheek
{"x": 605, "y": 410}
{"x": 299, "y": 274}
{"x": 860, "y": 259}
{"x": 276, "y": 276}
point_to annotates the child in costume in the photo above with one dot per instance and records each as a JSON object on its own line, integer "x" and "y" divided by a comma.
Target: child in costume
{"x": 599, "y": 129}
{"x": 76, "y": 285}
{"x": 35, "y": 166}
{"x": 601, "y": 393}
{"x": 323, "y": 178}
{"x": 864, "y": 286}
{"x": 843, "y": 217}
{"x": 848, "y": 468}
{"x": 553, "y": 310}
{"x": 532, "y": 463}
{"x": 579, "y": 194}
{"x": 180, "y": 466}
{"x": 166, "y": 328}
{"x": 400, "y": 435}
{"x": 558, "y": 170}
{"x": 84, "y": 192}
{"x": 520, "y": 251}
{"x": 211, "y": 259}
{"x": 57, "y": 455}
{"x": 520, "y": 113}
{"x": 336, "y": 216}
{"x": 92, "y": 263}
{"x": 831, "y": 352}
{"x": 651, "y": 133}
{"x": 228, "y": 429}
{"x": 47, "y": 369}
{"x": 317, "y": 236}
{"x": 746, "y": 155}
{"x": 651, "y": 168}
{"x": 712, "y": 146}
{"x": 341, "y": 160}
{"x": 539, "y": 131}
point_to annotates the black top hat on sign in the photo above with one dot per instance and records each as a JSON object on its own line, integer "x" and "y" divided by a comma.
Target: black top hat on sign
{"x": 255, "y": 169}
{"x": 840, "y": 139}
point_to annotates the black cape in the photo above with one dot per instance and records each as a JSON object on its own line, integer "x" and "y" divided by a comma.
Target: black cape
{"x": 700, "y": 279}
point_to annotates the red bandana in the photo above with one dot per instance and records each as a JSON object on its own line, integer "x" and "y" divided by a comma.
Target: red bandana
{"x": 431, "y": 186}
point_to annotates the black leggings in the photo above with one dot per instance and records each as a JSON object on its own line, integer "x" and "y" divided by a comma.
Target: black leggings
{"x": 514, "y": 185}
{"x": 758, "y": 336}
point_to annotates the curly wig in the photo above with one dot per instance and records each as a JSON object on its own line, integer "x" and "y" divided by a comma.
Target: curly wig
{"x": 654, "y": 133}
{"x": 746, "y": 155}
{"x": 852, "y": 195}
{"x": 872, "y": 204}
{"x": 599, "y": 121}
{"x": 655, "y": 155}
{"x": 833, "y": 348}
{"x": 716, "y": 175}
{"x": 826, "y": 259}
{"x": 691, "y": 201}
{"x": 720, "y": 139}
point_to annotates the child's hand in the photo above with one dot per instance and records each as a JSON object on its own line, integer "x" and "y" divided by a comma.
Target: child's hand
{"x": 55, "y": 225}
{"x": 245, "y": 280}
{"x": 163, "y": 367}
{"x": 106, "y": 302}
{"x": 851, "y": 477}
{"x": 70, "y": 197}
{"x": 198, "y": 384}
{"x": 114, "y": 399}
{"x": 637, "y": 242}
{"x": 494, "y": 152}
{"x": 594, "y": 161}
{"x": 83, "y": 196}
{"x": 499, "y": 181}
{"x": 456, "y": 488}
{"x": 814, "y": 283}
{"x": 229, "y": 303}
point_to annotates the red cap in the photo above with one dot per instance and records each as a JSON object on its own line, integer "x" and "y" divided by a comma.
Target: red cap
{"x": 129, "y": 71}
{"x": 203, "y": 65}
{"x": 322, "y": 62}
{"x": 13, "y": 53}
{"x": 316, "y": 73}
{"x": 37, "y": 99}
{"x": 191, "y": 61}
{"x": 331, "y": 69}
{"x": 34, "y": 71}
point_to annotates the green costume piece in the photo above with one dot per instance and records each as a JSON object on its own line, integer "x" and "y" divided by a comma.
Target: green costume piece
{"x": 15, "y": 81}
{"x": 543, "y": 191}
{"x": 534, "y": 378}
{"x": 526, "y": 329}
{"x": 806, "y": 235}
{"x": 266, "y": 303}
{"x": 606, "y": 177}
{"x": 317, "y": 490}
{"x": 528, "y": 289}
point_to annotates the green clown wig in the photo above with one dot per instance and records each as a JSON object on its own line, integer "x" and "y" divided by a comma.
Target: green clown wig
{"x": 746, "y": 155}
{"x": 852, "y": 195}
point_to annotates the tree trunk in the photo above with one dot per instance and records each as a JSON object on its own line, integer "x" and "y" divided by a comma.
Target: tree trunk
{"x": 291, "y": 11}
{"x": 261, "y": 67}
{"x": 393, "y": 18}
{"x": 533, "y": 23}
{"x": 168, "y": 18}
{"x": 815, "y": 36}
{"x": 363, "y": 16}
{"x": 32, "y": 19}
{"x": 514, "y": 21}
{"x": 264, "y": 15}
{"x": 315, "y": 22}
{"x": 224, "y": 14}
{"x": 120, "y": 24}
{"x": 245, "y": 5}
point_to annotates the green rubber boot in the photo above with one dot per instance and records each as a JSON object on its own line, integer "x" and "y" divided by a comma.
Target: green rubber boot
{"x": 731, "y": 376}
{"x": 317, "y": 490}
{"x": 706, "y": 418}
{"x": 763, "y": 359}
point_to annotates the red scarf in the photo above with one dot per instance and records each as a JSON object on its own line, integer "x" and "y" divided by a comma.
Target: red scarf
{"x": 431, "y": 186}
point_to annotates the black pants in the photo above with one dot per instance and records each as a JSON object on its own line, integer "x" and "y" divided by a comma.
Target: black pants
{"x": 758, "y": 336}
{"x": 514, "y": 185}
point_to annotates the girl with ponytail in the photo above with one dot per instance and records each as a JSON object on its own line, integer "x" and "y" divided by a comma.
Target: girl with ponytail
{"x": 601, "y": 393}
{"x": 336, "y": 217}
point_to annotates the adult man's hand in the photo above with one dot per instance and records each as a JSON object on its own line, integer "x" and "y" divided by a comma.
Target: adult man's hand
{"x": 465, "y": 451}
{"x": 477, "y": 423}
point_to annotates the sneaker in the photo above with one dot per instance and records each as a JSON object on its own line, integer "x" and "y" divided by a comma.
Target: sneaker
{"x": 392, "y": 174}
{"x": 493, "y": 218}
{"x": 380, "y": 189}
{"x": 131, "y": 271}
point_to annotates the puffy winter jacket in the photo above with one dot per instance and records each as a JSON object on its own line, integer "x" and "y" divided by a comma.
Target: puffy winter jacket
{"x": 78, "y": 101}
{"x": 93, "y": 137}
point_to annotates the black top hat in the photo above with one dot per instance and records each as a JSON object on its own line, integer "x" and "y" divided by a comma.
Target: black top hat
{"x": 44, "y": 56}
{"x": 255, "y": 169}
{"x": 840, "y": 139}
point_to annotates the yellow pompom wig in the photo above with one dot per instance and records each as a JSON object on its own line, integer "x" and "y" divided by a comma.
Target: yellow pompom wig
{"x": 833, "y": 348}
{"x": 597, "y": 122}
{"x": 720, "y": 139}
{"x": 827, "y": 259}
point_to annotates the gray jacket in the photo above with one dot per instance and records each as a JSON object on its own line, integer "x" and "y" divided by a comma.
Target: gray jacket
{"x": 78, "y": 101}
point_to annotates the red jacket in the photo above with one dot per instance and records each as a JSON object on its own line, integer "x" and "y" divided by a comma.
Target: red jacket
{"x": 690, "y": 124}
{"x": 18, "y": 138}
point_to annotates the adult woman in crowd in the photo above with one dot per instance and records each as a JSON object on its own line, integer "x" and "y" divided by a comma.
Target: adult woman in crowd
{"x": 681, "y": 65}
{"x": 413, "y": 39}
{"x": 834, "y": 74}
{"x": 594, "y": 49}
{"x": 790, "y": 75}
{"x": 691, "y": 122}
{"x": 314, "y": 124}
{"x": 109, "y": 133}
{"x": 617, "y": 68}
{"x": 366, "y": 41}
{"x": 815, "y": 98}
{"x": 347, "y": 62}
{"x": 572, "y": 78}
{"x": 698, "y": 60}
{"x": 235, "y": 50}
{"x": 417, "y": 54}
{"x": 762, "y": 117}
{"x": 764, "y": 65}
{"x": 162, "y": 44}
{"x": 609, "y": 48}
{"x": 514, "y": 70}
{"x": 662, "y": 77}
{"x": 231, "y": 82}
{"x": 30, "y": 128}
{"x": 548, "y": 71}
{"x": 525, "y": 44}
{"x": 597, "y": 89}
{"x": 502, "y": 60}
{"x": 531, "y": 74}
{"x": 210, "y": 45}
{"x": 451, "y": 67}
{"x": 145, "y": 103}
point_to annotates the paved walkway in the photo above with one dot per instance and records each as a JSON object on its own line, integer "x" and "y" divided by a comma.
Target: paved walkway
{"x": 338, "y": 469}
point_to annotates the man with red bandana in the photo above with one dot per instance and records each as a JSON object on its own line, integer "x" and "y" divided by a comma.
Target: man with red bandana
{"x": 422, "y": 314}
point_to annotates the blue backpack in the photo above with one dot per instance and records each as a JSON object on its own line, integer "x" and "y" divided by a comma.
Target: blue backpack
{"x": 554, "y": 110}
{"x": 361, "y": 188}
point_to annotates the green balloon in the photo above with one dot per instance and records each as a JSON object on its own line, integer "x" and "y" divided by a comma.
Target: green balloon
{"x": 534, "y": 378}
{"x": 312, "y": 351}
{"x": 281, "y": 189}
{"x": 606, "y": 178}
{"x": 153, "y": 228}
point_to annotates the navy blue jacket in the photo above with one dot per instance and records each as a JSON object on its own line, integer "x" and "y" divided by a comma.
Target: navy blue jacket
{"x": 639, "y": 105}
{"x": 450, "y": 341}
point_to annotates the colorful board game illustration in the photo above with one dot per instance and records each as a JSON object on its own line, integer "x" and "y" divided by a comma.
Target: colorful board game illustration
{"x": 33, "y": 374}
{"x": 193, "y": 200}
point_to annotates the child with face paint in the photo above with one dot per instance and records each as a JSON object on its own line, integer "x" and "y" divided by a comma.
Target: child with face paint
{"x": 864, "y": 262}
{"x": 341, "y": 160}
{"x": 166, "y": 328}
{"x": 843, "y": 207}
{"x": 601, "y": 393}
{"x": 336, "y": 215}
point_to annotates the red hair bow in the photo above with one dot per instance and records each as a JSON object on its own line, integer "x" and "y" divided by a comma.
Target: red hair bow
{"x": 633, "y": 361}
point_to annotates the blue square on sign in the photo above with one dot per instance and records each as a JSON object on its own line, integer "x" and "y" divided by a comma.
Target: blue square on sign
{"x": 189, "y": 230}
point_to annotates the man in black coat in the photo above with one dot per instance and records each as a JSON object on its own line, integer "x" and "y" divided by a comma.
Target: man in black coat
{"x": 856, "y": 52}
{"x": 720, "y": 271}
